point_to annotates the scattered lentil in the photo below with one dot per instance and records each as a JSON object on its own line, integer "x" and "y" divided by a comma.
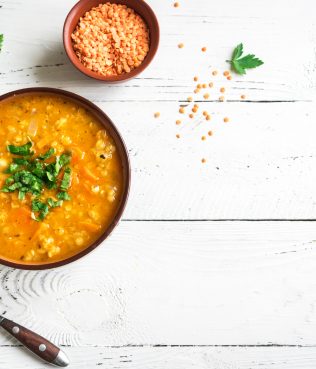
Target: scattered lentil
{"x": 205, "y": 113}
{"x": 198, "y": 85}
{"x": 211, "y": 84}
{"x": 182, "y": 110}
{"x": 197, "y": 90}
{"x": 196, "y": 78}
{"x": 203, "y": 138}
{"x": 222, "y": 98}
{"x": 203, "y": 49}
{"x": 180, "y": 46}
{"x": 190, "y": 98}
{"x": 210, "y": 133}
{"x": 194, "y": 109}
{"x": 203, "y": 160}
{"x": 177, "y": 135}
{"x": 206, "y": 96}
{"x": 229, "y": 78}
{"x": 178, "y": 121}
{"x": 243, "y": 97}
{"x": 157, "y": 115}
{"x": 191, "y": 116}
{"x": 204, "y": 85}
{"x": 214, "y": 73}
{"x": 176, "y": 5}
{"x": 226, "y": 73}
{"x": 208, "y": 117}
{"x": 226, "y": 120}
{"x": 222, "y": 90}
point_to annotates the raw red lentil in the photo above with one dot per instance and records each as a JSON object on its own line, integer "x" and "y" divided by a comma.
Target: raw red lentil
{"x": 181, "y": 45}
{"x": 157, "y": 115}
{"x": 111, "y": 39}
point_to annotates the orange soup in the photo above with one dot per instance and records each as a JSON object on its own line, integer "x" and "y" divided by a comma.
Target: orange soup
{"x": 60, "y": 179}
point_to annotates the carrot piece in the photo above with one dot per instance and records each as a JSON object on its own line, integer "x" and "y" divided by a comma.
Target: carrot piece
{"x": 90, "y": 226}
{"x": 77, "y": 154}
{"x": 41, "y": 143}
{"x": 21, "y": 216}
{"x": 88, "y": 174}
{"x": 40, "y": 228}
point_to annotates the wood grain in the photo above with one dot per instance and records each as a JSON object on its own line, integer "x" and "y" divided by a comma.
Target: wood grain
{"x": 176, "y": 283}
{"x": 172, "y": 357}
{"x": 216, "y": 284}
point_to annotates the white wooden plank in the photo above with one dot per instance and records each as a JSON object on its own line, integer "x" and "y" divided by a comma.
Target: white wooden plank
{"x": 262, "y": 164}
{"x": 171, "y": 358}
{"x": 182, "y": 283}
{"x": 288, "y": 51}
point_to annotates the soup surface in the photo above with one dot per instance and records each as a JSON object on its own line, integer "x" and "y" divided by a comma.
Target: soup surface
{"x": 60, "y": 178}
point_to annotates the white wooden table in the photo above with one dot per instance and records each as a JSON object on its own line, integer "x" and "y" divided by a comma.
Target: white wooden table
{"x": 213, "y": 265}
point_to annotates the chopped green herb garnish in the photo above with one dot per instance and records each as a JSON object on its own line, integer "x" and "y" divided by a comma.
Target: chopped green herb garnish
{"x": 1, "y": 41}
{"x": 12, "y": 168}
{"x": 31, "y": 175}
{"x": 47, "y": 154}
{"x": 54, "y": 204}
{"x": 20, "y": 150}
{"x": 21, "y": 195}
{"x": 21, "y": 161}
{"x": 41, "y": 208}
{"x": 65, "y": 183}
{"x": 63, "y": 196}
{"x": 64, "y": 159}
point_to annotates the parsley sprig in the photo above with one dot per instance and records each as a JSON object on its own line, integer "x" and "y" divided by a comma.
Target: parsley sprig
{"x": 29, "y": 174}
{"x": 240, "y": 64}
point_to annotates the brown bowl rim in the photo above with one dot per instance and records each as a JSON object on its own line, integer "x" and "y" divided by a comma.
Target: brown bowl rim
{"x": 126, "y": 167}
{"x": 114, "y": 79}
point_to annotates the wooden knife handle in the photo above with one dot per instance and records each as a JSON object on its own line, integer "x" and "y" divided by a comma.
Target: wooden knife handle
{"x": 37, "y": 344}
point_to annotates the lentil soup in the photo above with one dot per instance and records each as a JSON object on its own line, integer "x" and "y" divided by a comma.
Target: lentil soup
{"x": 67, "y": 179}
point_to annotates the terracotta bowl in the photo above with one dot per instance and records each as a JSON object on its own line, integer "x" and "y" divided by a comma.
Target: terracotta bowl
{"x": 140, "y": 7}
{"x": 121, "y": 148}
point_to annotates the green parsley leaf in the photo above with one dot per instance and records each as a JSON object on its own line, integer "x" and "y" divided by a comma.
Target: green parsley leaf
{"x": 41, "y": 208}
{"x": 21, "y": 195}
{"x": 64, "y": 159}
{"x": 20, "y": 150}
{"x": 21, "y": 161}
{"x": 240, "y": 64}
{"x": 65, "y": 183}
{"x": 47, "y": 154}
{"x": 1, "y": 41}
{"x": 54, "y": 204}
{"x": 12, "y": 168}
{"x": 63, "y": 196}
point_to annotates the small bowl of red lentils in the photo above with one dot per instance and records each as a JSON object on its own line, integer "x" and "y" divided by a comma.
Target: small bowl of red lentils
{"x": 113, "y": 40}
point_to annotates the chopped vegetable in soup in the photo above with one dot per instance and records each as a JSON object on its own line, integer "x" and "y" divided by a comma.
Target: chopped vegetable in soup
{"x": 60, "y": 178}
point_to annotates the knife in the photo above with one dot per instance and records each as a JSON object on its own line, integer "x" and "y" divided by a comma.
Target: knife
{"x": 35, "y": 343}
